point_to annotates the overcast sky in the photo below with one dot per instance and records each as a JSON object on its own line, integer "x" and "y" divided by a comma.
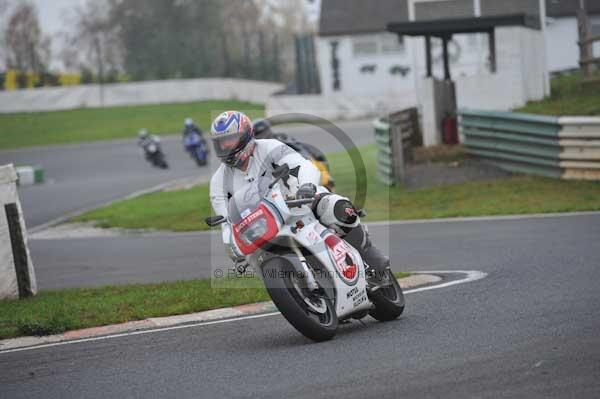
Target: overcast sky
{"x": 51, "y": 11}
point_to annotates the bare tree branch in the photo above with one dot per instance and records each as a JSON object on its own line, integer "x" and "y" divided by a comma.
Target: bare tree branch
{"x": 27, "y": 50}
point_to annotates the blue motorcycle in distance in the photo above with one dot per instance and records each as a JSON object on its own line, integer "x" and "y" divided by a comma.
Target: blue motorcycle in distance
{"x": 196, "y": 146}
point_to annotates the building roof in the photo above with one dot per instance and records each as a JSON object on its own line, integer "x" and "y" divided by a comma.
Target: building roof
{"x": 568, "y": 8}
{"x": 347, "y": 17}
{"x": 450, "y": 26}
{"x": 439, "y": 9}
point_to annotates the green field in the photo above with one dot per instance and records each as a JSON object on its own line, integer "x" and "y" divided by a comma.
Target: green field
{"x": 568, "y": 97}
{"x": 185, "y": 210}
{"x": 53, "y": 312}
{"x": 92, "y": 124}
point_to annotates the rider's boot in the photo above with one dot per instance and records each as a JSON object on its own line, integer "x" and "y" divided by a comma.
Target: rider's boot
{"x": 339, "y": 214}
{"x": 377, "y": 264}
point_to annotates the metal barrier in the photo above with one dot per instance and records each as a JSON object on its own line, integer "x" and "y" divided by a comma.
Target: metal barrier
{"x": 395, "y": 137}
{"x": 580, "y": 145}
{"x": 566, "y": 147}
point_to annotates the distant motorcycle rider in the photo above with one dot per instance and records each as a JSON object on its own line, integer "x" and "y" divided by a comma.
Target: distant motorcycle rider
{"x": 245, "y": 159}
{"x": 262, "y": 130}
{"x": 190, "y": 127}
{"x": 150, "y": 143}
{"x": 146, "y": 141}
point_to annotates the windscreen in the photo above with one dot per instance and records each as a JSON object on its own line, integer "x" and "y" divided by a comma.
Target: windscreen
{"x": 246, "y": 199}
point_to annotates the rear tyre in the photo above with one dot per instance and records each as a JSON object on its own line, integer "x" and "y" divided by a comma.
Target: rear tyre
{"x": 159, "y": 161}
{"x": 389, "y": 301}
{"x": 315, "y": 318}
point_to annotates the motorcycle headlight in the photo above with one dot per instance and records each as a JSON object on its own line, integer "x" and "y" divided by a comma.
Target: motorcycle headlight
{"x": 255, "y": 231}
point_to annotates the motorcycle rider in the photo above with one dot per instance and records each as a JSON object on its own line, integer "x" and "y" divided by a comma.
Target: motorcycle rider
{"x": 190, "y": 127}
{"x": 262, "y": 130}
{"x": 145, "y": 140}
{"x": 194, "y": 143}
{"x": 152, "y": 149}
{"x": 244, "y": 159}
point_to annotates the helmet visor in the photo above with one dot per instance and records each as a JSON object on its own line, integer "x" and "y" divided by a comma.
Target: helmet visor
{"x": 227, "y": 146}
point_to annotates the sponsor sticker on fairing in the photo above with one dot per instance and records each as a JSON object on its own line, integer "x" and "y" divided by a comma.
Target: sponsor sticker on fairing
{"x": 248, "y": 219}
{"x": 313, "y": 237}
{"x": 343, "y": 258}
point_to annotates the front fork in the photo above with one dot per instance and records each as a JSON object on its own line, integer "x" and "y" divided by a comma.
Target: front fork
{"x": 311, "y": 282}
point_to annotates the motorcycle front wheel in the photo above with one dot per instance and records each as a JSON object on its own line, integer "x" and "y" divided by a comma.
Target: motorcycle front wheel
{"x": 314, "y": 317}
{"x": 200, "y": 160}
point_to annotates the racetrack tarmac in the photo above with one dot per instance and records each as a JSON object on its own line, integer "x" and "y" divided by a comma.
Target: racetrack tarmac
{"x": 529, "y": 329}
{"x": 87, "y": 175}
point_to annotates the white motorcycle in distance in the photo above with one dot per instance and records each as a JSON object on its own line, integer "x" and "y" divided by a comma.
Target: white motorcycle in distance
{"x": 314, "y": 277}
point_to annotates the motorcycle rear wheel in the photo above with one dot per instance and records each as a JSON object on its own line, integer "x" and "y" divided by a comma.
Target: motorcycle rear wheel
{"x": 298, "y": 309}
{"x": 389, "y": 301}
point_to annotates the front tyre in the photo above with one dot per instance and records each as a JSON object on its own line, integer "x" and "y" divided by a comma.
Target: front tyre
{"x": 200, "y": 159}
{"x": 313, "y": 317}
{"x": 388, "y": 301}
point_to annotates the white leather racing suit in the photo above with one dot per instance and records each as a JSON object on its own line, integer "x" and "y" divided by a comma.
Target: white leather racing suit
{"x": 267, "y": 155}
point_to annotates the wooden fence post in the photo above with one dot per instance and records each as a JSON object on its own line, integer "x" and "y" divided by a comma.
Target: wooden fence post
{"x": 585, "y": 47}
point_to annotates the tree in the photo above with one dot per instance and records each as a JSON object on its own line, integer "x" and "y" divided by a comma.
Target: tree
{"x": 167, "y": 38}
{"x": 281, "y": 21}
{"x": 27, "y": 50}
{"x": 3, "y": 9}
{"x": 95, "y": 35}
{"x": 161, "y": 39}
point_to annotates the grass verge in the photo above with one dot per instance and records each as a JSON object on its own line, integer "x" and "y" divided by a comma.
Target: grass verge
{"x": 93, "y": 124}
{"x": 569, "y": 97}
{"x": 185, "y": 210}
{"x": 53, "y": 312}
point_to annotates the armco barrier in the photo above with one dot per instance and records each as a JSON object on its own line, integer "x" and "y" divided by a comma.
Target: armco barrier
{"x": 580, "y": 145}
{"x": 395, "y": 138}
{"x": 567, "y": 147}
{"x": 385, "y": 166}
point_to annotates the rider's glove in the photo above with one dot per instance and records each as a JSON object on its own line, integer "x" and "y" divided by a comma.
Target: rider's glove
{"x": 307, "y": 190}
{"x": 230, "y": 246}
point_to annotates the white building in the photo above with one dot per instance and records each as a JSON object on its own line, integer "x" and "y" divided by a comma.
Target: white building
{"x": 363, "y": 67}
{"x": 561, "y": 32}
{"x": 369, "y": 55}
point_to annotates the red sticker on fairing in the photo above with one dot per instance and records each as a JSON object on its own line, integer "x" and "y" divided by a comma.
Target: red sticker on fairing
{"x": 342, "y": 257}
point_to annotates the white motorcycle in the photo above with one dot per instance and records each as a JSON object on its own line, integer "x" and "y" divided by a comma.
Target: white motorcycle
{"x": 314, "y": 277}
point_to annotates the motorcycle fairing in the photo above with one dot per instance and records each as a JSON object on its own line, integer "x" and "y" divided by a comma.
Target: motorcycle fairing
{"x": 351, "y": 294}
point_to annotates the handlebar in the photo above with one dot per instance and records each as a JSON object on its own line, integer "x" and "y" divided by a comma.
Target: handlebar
{"x": 297, "y": 203}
